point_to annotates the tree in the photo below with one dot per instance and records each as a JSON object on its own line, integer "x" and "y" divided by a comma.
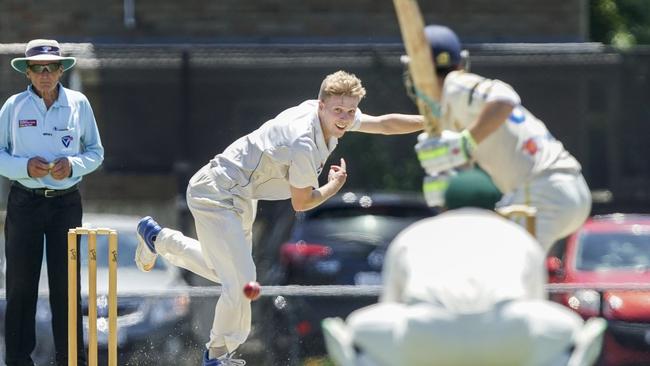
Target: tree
{"x": 621, "y": 23}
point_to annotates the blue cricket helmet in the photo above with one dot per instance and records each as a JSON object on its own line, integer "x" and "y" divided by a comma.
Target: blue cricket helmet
{"x": 445, "y": 46}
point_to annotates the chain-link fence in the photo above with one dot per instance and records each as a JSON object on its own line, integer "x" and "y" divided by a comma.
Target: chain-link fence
{"x": 166, "y": 109}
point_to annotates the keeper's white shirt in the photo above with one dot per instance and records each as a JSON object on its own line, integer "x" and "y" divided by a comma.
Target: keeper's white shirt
{"x": 520, "y": 149}
{"x": 465, "y": 260}
{"x": 288, "y": 150}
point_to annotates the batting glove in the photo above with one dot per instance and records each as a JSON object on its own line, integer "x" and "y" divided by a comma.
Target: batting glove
{"x": 435, "y": 186}
{"x": 450, "y": 150}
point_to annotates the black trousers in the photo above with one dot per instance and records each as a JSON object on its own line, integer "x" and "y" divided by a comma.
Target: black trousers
{"x": 30, "y": 218}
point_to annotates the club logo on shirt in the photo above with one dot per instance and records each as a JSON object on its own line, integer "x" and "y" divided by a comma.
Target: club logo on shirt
{"x": 320, "y": 169}
{"x": 517, "y": 116}
{"x": 27, "y": 123}
{"x": 530, "y": 146}
{"x": 66, "y": 140}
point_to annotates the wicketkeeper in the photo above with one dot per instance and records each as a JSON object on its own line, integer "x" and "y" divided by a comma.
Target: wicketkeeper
{"x": 464, "y": 288}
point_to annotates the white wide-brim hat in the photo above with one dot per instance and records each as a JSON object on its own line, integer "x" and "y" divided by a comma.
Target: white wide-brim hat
{"x": 42, "y": 50}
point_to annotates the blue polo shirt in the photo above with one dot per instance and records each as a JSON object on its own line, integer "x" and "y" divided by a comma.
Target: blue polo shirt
{"x": 67, "y": 129}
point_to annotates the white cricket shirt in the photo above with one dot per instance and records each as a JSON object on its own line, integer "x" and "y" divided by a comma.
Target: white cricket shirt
{"x": 288, "y": 150}
{"x": 465, "y": 260}
{"x": 520, "y": 149}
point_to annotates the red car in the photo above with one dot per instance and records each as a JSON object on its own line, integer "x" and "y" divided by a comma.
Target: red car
{"x": 609, "y": 251}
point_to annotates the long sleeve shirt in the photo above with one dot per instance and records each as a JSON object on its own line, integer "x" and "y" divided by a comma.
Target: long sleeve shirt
{"x": 516, "y": 152}
{"x": 288, "y": 150}
{"x": 67, "y": 129}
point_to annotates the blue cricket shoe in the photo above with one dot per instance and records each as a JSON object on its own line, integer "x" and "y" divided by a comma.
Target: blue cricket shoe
{"x": 225, "y": 360}
{"x": 145, "y": 254}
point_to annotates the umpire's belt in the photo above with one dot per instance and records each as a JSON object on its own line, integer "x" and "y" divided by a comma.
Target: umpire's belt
{"x": 46, "y": 192}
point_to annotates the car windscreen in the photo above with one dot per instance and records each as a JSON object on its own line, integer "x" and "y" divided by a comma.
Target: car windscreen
{"x": 369, "y": 229}
{"x": 401, "y": 211}
{"x": 613, "y": 251}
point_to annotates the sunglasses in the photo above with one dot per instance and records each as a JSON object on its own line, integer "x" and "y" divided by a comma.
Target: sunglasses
{"x": 49, "y": 67}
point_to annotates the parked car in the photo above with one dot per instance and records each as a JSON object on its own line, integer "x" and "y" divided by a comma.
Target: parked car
{"x": 610, "y": 250}
{"x": 154, "y": 326}
{"x": 341, "y": 242}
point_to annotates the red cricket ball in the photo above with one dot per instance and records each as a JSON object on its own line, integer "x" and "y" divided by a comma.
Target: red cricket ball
{"x": 252, "y": 290}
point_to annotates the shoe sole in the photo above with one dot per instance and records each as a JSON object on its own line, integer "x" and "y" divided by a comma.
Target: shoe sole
{"x": 142, "y": 246}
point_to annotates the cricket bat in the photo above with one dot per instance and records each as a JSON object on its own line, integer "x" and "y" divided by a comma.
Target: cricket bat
{"x": 421, "y": 65}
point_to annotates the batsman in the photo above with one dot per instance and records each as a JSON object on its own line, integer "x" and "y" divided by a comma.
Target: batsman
{"x": 483, "y": 121}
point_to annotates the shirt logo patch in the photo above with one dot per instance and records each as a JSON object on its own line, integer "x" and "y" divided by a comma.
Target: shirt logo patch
{"x": 517, "y": 116}
{"x": 530, "y": 146}
{"x": 27, "y": 123}
{"x": 66, "y": 140}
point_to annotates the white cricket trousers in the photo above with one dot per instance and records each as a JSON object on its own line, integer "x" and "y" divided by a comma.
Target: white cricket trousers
{"x": 517, "y": 333}
{"x": 562, "y": 200}
{"x": 223, "y": 253}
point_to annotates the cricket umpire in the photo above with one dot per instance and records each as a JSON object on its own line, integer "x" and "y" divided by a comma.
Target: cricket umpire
{"x": 48, "y": 141}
